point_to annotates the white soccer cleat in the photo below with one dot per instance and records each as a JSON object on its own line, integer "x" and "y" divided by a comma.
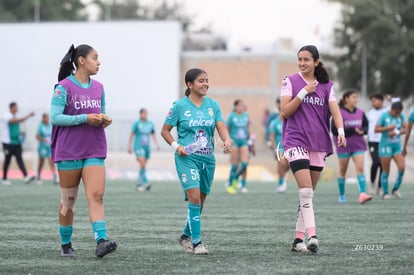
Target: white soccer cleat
{"x": 397, "y": 194}
{"x": 313, "y": 244}
{"x": 6, "y": 182}
{"x": 140, "y": 188}
{"x": 39, "y": 182}
{"x": 29, "y": 179}
{"x": 244, "y": 190}
{"x": 386, "y": 197}
{"x": 186, "y": 243}
{"x": 299, "y": 246}
{"x": 200, "y": 249}
{"x": 282, "y": 188}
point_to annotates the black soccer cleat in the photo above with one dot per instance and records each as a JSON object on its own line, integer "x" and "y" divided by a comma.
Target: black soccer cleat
{"x": 67, "y": 250}
{"x": 105, "y": 247}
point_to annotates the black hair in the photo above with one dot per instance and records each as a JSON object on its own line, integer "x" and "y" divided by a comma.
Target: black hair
{"x": 346, "y": 95}
{"x": 397, "y": 106}
{"x": 236, "y": 102}
{"x": 44, "y": 115}
{"x": 278, "y": 100}
{"x": 70, "y": 61}
{"x": 12, "y": 104}
{"x": 142, "y": 110}
{"x": 320, "y": 72}
{"x": 190, "y": 76}
{"x": 377, "y": 96}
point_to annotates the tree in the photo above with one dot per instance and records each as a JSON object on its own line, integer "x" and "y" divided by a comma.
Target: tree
{"x": 42, "y": 10}
{"x": 133, "y": 9}
{"x": 386, "y": 29}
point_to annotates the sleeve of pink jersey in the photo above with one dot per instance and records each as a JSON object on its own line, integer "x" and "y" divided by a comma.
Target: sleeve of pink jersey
{"x": 332, "y": 95}
{"x": 286, "y": 89}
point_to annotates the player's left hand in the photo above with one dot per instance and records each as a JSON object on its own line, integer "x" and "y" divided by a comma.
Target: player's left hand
{"x": 359, "y": 131}
{"x": 341, "y": 141}
{"x": 226, "y": 147}
{"x": 106, "y": 120}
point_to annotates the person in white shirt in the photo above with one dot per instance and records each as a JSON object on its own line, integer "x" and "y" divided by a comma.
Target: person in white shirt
{"x": 377, "y": 103}
{"x": 12, "y": 142}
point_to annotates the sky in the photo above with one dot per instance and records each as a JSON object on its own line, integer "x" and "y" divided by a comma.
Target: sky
{"x": 262, "y": 22}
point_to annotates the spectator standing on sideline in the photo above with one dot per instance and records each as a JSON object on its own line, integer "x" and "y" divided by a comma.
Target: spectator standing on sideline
{"x": 408, "y": 133}
{"x": 12, "y": 144}
{"x": 377, "y": 103}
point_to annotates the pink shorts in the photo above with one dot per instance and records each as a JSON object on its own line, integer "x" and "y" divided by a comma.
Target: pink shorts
{"x": 315, "y": 158}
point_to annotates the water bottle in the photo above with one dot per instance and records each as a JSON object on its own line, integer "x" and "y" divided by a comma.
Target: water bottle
{"x": 197, "y": 145}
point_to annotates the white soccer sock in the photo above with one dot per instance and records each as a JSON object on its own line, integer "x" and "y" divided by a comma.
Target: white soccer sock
{"x": 300, "y": 225}
{"x": 306, "y": 207}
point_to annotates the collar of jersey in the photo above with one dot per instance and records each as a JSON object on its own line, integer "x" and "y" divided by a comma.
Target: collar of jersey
{"x": 78, "y": 83}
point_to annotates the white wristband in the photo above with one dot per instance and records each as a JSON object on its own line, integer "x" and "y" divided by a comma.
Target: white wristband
{"x": 341, "y": 132}
{"x": 175, "y": 145}
{"x": 397, "y": 132}
{"x": 302, "y": 93}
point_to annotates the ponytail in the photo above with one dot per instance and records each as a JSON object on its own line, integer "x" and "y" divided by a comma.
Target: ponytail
{"x": 66, "y": 65}
{"x": 187, "y": 92}
{"x": 69, "y": 62}
{"x": 321, "y": 73}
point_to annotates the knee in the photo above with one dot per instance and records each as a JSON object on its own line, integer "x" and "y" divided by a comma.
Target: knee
{"x": 68, "y": 199}
{"x": 96, "y": 196}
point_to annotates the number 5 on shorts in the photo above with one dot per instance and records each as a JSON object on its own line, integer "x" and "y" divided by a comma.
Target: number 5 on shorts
{"x": 195, "y": 174}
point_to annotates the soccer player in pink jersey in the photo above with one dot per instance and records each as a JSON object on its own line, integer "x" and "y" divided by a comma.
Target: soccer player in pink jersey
{"x": 307, "y": 104}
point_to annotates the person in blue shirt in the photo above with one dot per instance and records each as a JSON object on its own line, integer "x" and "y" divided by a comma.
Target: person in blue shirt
{"x": 408, "y": 133}
{"x": 391, "y": 125}
{"x": 142, "y": 130}
{"x": 275, "y": 134}
{"x": 195, "y": 116}
{"x": 44, "y": 133}
{"x": 238, "y": 124}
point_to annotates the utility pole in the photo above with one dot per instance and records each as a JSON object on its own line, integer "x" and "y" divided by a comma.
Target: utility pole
{"x": 364, "y": 71}
{"x": 36, "y": 11}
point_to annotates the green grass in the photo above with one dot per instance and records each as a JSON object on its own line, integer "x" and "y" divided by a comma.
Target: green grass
{"x": 245, "y": 233}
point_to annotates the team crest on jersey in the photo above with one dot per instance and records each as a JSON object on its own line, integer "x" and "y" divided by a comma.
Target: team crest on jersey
{"x": 184, "y": 177}
{"x": 58, "y": 92}
{"x": 210, "y": 111}
{"x": 284, "y": 83}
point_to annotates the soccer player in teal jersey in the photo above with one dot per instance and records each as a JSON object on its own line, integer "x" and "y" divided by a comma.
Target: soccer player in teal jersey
{"x": 391, "y": 125}
{"x": 275, "y": 135}
{"x": 195, "y": 117}
{"x": 408, "y": 133}
{"x": 44, "y": 132}
{"x": 142, "y": 130}
{"x": 238, "y": 125}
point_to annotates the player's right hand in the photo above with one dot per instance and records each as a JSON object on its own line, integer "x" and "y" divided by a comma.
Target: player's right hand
{"x": 311, "y": 87}
{"x": 94, "y": 119}
{"x": 181, "y": 151}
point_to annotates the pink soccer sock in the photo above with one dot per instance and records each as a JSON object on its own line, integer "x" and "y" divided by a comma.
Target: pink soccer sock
{"x": 306, "y": 208}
